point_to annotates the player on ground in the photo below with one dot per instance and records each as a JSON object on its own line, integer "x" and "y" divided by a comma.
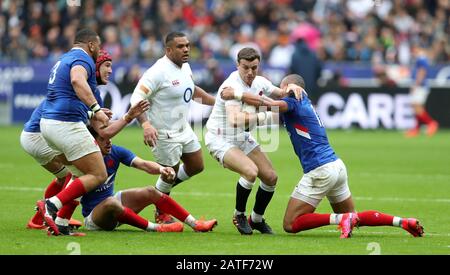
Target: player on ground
{"x": 105, "y": 211}
{"x": 169, "y": 87}
{"x": 419, "y": 93}
{"x": 70, "y": 96}
{"x": 324, "y": 173}
{"x": 233, "y": 146}
{"x": 103, "y": 71}
{"x": 35, "y": 145}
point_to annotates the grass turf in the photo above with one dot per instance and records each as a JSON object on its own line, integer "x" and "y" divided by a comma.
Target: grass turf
{"x": 388, "y": 173}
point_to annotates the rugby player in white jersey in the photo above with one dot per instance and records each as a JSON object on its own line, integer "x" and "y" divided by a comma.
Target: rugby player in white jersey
{"x": 169, "y": 87}
{"x": 229, "y": 142}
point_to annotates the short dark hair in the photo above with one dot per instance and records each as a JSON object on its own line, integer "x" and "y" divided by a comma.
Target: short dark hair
{"x": 294, "y": 79}
{"x": 171, "y": 36}
{"x": 248, "y": 54}
{"x": 85, "y": 36}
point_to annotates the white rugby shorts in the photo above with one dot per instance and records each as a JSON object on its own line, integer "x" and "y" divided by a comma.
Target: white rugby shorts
{"x": 419, "y": 95}
{"x": 89, "y": 224}
{"x": 35, "y": 145}
{"x": 328, "y": 180}
{"x": 71, "y": 138}
{"x": 171, "y": 145}
{"x": 218, "y": 146}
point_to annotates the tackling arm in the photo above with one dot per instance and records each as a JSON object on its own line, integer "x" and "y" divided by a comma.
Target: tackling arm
{"x": 153, "y": 168}
{"x": 279, "y": 93}
{"x": 116, "y": 126}
{"x": 255, "y": 100}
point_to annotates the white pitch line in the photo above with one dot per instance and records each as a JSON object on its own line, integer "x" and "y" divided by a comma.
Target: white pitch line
{"x": 232, "y": 195}
{"x": 208, "y": 194}
{"x": 402, "y": 199}
{"x": 22, "y": 189}
{"x": 416, "y": 175}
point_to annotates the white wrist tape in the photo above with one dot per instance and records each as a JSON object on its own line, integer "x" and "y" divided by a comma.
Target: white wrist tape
{"x": 95, "y": 107}
{"x": 238, "y": 95}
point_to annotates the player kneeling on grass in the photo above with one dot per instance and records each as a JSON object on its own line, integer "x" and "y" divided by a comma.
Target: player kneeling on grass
{"x": 324, "y": 173}
{"x": 104, "y": 211}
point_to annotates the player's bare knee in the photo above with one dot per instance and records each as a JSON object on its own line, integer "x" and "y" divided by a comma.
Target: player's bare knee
{"x": 199, "y": 168}
{"x": 287, "y": 226}
{"x": 112, "y": 205}
{"x": 101, "y": 176}
{"x": 272, "y": 178}
{"x": 194, "y": 169}
{"x": 152, "y": 194}
{"x": 250, "y": 173}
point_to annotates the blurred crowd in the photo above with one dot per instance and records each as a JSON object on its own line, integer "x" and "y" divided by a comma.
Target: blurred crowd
{"x": 371, "y": 31}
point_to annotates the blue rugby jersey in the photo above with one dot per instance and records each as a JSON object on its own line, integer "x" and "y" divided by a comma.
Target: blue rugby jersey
{"x": 307, "y": 134}
{"x": 33, "y": 124}
{"x": 112, "y": 161}
{"x": 62, "y": 101}
{"x": 421, "y": 62}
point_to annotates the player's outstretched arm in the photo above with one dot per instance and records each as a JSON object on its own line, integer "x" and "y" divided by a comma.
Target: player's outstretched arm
{"x": 279, "y": 93}
{"x": 203, "y": 96}
{"x": 116, "y": 126}
{"x": 153, "y": 168}
{"x": 255, "y": 100}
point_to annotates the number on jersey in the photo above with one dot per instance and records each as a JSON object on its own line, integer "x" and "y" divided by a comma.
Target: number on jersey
{"x": 53, "y": 73}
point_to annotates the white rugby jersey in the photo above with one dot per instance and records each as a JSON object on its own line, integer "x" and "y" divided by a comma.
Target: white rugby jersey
{"x": 217, "y": 123}
{"x": 172, "y": 90}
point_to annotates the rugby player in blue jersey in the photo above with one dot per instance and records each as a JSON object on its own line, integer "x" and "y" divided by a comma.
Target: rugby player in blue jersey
{"x": 419, "y": 92}
{"x": 70, "y": 95}
{"x": 35, "y": 145}
{"x": 324, "y": 172}
{"x": 105, "y": 211}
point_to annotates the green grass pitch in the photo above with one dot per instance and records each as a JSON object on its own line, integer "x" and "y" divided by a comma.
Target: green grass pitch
{"x": 388, "y": 173}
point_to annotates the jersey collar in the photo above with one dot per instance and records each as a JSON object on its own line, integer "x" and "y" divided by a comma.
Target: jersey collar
{"x": 79, "y": 48}
{"x": 171, "y": 62}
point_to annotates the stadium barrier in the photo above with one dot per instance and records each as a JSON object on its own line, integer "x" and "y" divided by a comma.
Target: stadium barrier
{"x": 362, "y": 105}
{"x": 374, "y": 107}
